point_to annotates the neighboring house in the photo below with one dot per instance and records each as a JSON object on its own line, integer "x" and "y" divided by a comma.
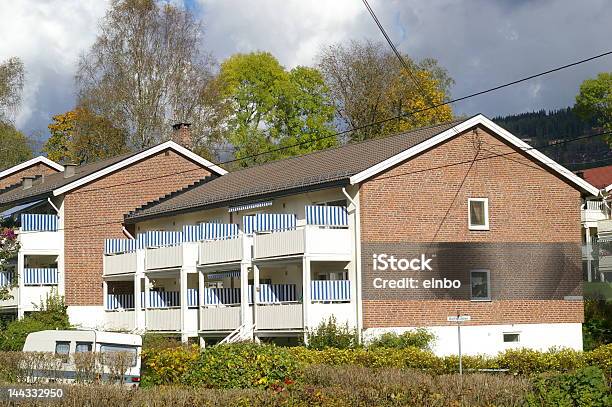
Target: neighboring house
{"x": 36, "y": 167}
{"x": 597, "y": 236}
{"x": 384, "y": 235}
{"x": 63, "y": 220}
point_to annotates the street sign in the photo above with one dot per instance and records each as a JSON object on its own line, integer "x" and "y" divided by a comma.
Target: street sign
{"x": 459, "y": 318}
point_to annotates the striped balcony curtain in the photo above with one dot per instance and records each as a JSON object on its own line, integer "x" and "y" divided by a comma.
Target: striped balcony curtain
{"x": 40, "y": 276}
{"x": 221, "y": 295}
{"x": 164, "y": 299}
{"x": 119, "y": 301}
{"x": 160, "y": 238}
{"x": 38, "y": 223}
{"x": 275, "y": 293}
{"x": 192, "y": 297}
{"x": 326, "y": 215}
{"x": 216, "y": 230}
{"x": 115, "y": 246}
{"x": 222, "y": 275}
{"x": 330, "y": 290}
{"x": 6, "y": 278}
{"x": 264, "y": 222}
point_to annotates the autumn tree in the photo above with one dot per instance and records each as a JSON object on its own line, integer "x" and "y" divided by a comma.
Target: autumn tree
{"x": 594, "y": 101}
{"x": 12, "y": 75}
{"x": 267, "y": 107}
{"x": 15, "y": 147}
{"x": 146, "y": 71}
{"x": 369, "y": 84}
{"x": 80, "y": 136}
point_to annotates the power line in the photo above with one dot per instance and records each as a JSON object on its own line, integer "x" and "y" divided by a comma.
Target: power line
{"x": 470, "y": 161}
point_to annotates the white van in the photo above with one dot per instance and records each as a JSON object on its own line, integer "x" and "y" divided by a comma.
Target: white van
{"x": 66, "y": 344}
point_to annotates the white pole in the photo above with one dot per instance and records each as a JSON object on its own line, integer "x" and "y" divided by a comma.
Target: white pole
{"x": 459, "y": 340}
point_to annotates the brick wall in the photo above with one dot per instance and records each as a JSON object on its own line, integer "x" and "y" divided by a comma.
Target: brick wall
{"x": 531, "y": 249}
{"x": 95, "y": 212}
{"x": 36, "y": 169}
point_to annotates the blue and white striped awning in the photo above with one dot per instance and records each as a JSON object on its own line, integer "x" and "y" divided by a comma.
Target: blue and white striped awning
{"x": 16, "y": 209}
{"x": 220, "y": 276}
{"x": 250, "y": 206}
{"x": 326, "y": 215}
{"x": 263, "y": 222}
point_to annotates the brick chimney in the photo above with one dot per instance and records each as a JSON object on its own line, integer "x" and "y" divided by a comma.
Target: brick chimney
{"x": 181, "y": 134}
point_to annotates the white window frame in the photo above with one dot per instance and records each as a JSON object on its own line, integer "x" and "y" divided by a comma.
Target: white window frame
{"x": 488, "y": 285}
{"x": 485, "y": 201}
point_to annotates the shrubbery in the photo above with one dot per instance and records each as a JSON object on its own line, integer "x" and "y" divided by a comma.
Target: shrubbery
{"x": 419, "y": 338}
{"x": 251, "y": 365}
{"x": 328, "y": 334}
{"x": 51, "y": 314}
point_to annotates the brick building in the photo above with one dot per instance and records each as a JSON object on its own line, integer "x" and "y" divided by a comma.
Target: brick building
{"x": 385, "y": 235}
{"x": 36, "y": 167}
{"x": 64, "y": 218}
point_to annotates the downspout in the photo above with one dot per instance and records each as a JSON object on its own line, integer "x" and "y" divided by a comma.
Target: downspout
{"x": 53, "y": 205}
{"x": 357, "y": 251}
{"x": 125, "y": 232}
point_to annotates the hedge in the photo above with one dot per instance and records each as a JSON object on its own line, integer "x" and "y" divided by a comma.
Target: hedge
{"x": 250, "y": 365}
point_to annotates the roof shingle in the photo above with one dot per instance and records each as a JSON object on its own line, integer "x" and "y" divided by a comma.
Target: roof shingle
{"x": 310, "y": 170}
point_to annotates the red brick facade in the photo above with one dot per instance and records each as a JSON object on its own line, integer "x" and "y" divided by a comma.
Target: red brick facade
{"x": 424, "y": 201}
{"x": 95, "y": 212}
{"x": 33, "y": 170}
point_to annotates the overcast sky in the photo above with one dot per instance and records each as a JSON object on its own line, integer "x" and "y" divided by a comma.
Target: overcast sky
{"x": 481, "y": 43}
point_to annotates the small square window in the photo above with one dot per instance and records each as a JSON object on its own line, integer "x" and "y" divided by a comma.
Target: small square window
{"x": 512, "y": 337}
{"x": 480, "y": 283}
{"x": 478, "y": 213}
{"x": 62, "y": 349}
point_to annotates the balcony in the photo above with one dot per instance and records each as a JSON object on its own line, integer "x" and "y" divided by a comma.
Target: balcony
{"x": 226, "y": 318}
{"x": 39, "y": 232}
{"x": 123, "y": 263}
{"x": 163, "y": 319}
{"x": 221, "y": 251}
{"x": 164, "y": 257}
{"x": 123, "y": 320}
{"x": 594, "y": 211}
{"x": 309, "y": 240}
{"x": 279, "y": 317}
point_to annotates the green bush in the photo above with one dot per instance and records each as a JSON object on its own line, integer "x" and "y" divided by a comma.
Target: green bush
{"x": 328, "y": 334}
{"x": 584, "y": 387}
{"x": 419, "y": 338}
{"x": 242, "y": 366}
{"x": 597, "y": 327}
{"x": 51, "y": 314}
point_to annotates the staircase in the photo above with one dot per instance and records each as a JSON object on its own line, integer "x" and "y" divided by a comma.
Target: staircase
{"x": 243, "y": 333}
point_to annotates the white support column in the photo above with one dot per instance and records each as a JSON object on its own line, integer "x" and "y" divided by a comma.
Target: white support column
{"x": 246, "y": 318}
{"x": 200, "y": 303}
{"x": 305, "y": 294}
{"x": 255, "y": 292}
{"x": 183, "y": 299}
{"x": 588, "y": 241}
{"x": 139, "y": 315}
{"x": 20, "y": 283}
{"x": 105, "y": 294}
{"x": 147, "y": 287}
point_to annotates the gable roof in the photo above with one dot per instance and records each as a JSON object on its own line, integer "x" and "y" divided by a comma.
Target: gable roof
{"x": 27, "y": 164}
{"x": 600, "y": 177}
{"x": 57, "y": 184}
{"x": 351, "y": 163}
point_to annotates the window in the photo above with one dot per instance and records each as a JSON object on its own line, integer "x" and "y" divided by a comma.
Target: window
{"x": 106, "y": 350}
{"x": 478, "y": 213}
{"x": 82, "y": 347}
{"x": 512, "y": 337}
{"x": 480, "y": 285}
{"x": 62, "y": 349}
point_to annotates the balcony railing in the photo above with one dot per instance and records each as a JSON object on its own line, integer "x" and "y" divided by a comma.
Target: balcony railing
{"x": 40, "y": 276}
{"x": 164, "y": 257}
{"x": 123, "y": 320}
{"x": 221, "y": 251}
{"x": 219, "y": 319}
{"x": 119, "y": 301}
{"x": 330, "y": 290}
{"x": 164, "y": 319}
{"x": 124, "y": 263}
{"x": 6, "y": 278}
{"x": 311, "y": 239}
{"x": 38, "y": 222}
{"x": 283, "y": 316}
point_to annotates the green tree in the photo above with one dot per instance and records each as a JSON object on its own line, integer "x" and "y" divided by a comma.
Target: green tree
{"x": 80, "y": 136}
{"x": 14, "y": 146}
{"x": 595, "y": 100}
{"x": 267, "y": 107}
{"x": 368, "y": 84}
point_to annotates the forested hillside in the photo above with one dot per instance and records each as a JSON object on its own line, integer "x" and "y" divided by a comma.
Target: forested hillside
{"x": 544, "y": 128}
